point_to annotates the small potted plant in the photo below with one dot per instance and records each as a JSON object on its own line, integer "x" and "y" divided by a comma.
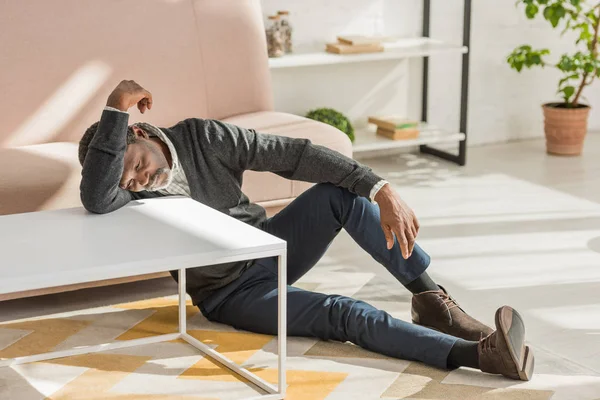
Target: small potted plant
{"x": 565, "y": 123}
{"x": 333, "y": 118}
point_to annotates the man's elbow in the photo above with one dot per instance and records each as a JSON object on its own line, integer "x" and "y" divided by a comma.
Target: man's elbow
{"x": 93, "y": 205}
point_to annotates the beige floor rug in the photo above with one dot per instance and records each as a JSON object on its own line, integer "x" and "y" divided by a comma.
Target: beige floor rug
{"x": 493, "y": 239}
{"x": 175, "y": 370}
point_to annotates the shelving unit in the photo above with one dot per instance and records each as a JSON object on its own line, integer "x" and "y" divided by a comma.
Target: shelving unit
{"x": 422, "y": 47}
{"x": 403, "y": 48}
{"x": 367, "y": 140}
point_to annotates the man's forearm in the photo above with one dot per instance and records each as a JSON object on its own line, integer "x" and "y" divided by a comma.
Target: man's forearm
{"x": 323, "y": 164}
{"x": 103, "y": 165}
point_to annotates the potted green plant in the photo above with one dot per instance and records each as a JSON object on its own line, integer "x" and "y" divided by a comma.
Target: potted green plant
{"x": 333, "y": 118}
{"x": 565, "y": 123}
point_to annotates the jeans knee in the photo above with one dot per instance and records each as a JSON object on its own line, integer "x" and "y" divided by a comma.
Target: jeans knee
{"x": 342, "y": 312}
{"x": 341, "y": 199}
{"x": 326, "y": 189}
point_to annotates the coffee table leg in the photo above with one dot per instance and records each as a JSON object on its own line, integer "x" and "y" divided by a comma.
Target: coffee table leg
{"x": 182, "y": 305}
{"x": 282, "y": 321}
{"x": 278, "y": 393}
{"x": 273, "y": 393}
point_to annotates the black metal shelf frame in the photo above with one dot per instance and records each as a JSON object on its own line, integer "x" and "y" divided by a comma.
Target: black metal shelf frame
{"x": 461, "y": 157}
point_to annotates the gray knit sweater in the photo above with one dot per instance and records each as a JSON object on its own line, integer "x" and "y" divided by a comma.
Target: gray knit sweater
{"x": 214, "y": 156}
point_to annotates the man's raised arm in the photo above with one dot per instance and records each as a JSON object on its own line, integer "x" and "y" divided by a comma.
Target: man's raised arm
{"x": 103, "y": 165}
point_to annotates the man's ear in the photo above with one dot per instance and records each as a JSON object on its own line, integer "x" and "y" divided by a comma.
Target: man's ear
{"x": 139, "y": 132}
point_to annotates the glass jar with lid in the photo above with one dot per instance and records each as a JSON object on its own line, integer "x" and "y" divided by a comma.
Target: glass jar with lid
{"x": 275, "y": 37}
{"x": 286, "y": 29}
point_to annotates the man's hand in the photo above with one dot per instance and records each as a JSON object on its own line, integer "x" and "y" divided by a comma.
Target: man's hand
{"x": 397, "y": 218}
{"x": 129, "y": 93}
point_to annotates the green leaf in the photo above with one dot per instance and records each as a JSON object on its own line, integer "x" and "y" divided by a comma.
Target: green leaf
{"x": 585, "y": 34}
{"x": 554, "y": 12}
{"x": 518, "y": 66}
{"x": 565, "y": 64}
{"x": 548, "y": 12}
{"x": 588, "y": 67}
{"x": 568, "y": 91}
{"x": 531, "y": 11}
{"x": 575, "y": 2}
{"x": 566, "y": 78}
{"x": 591, "y": 15}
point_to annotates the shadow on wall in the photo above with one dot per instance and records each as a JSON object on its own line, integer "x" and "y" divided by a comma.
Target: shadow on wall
{"x": 29, "y": 181}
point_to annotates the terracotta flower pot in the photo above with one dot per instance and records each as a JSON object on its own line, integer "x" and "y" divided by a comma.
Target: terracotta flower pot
{"x": 565, "y": 128}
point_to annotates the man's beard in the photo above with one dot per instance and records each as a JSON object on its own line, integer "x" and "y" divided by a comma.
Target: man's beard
{"x": 153, "y": 187}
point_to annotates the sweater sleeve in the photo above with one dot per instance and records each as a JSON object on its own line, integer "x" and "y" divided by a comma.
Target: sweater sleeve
{"x": 244, "y": 149}
{"x": 103, "y": 166}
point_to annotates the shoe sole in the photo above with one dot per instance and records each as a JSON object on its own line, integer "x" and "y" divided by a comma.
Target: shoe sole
{"x": 511, "y": 326}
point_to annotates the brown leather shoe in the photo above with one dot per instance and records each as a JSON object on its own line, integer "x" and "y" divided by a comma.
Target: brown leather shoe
{"x": 437, "y": 310}
{"x": 504, "y": 351}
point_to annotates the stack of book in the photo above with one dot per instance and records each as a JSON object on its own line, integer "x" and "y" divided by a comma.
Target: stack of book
{"x": 396, "y": 128}
{"x": 354, "y": 44}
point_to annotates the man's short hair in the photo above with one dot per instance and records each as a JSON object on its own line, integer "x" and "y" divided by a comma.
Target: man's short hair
{"x": 87, "y": 137}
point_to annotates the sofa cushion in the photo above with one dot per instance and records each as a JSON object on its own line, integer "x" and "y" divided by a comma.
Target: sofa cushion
{"x": 39, "y": 177}
{"x": 265, "y": 186}
{"x": 264, "y": 119}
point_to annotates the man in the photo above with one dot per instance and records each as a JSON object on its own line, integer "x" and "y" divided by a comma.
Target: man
{"x": 205, "y": 160}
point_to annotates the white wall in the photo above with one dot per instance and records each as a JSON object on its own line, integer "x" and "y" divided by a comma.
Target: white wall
{"x": 503, "y": 105}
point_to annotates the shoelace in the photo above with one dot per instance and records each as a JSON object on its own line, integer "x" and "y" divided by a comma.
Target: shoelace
{"x": 486, "y": 343}
{"x": 448, "y": 301}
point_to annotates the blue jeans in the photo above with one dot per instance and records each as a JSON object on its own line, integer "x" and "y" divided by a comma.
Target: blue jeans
{"x": 309, "y": 224}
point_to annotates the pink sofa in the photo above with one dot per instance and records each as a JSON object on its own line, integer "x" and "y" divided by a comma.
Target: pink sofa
{"x": 60, "y": 59}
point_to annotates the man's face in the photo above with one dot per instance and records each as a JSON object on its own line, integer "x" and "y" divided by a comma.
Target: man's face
{"x": 146, "y": 167}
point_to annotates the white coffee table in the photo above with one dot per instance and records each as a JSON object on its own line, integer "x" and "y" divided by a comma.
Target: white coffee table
{"x": 64, "y": 247}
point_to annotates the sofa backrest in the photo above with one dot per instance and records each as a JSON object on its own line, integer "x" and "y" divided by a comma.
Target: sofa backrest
{"x": 60, "y": 59}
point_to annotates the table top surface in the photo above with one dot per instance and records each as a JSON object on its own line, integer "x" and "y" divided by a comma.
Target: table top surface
{"x": 55, "y": 248}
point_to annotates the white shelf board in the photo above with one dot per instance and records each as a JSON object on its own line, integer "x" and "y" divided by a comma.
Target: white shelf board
{"x": 367, "y": 140}
{"x": 402, "y": 48}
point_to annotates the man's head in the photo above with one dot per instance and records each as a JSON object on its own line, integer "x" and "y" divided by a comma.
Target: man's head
{"x": 145, "y": 166}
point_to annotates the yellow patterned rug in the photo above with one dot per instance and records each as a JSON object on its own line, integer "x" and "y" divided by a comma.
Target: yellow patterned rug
{"x": 176, "y": 370}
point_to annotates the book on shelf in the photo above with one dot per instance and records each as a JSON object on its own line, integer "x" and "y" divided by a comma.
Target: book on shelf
{"x": 363, "y": 39}
{"x": 392, "y": 122}
{"x": 340, "y": 48}
{"x": 399, "y": 134}
{"x": 396, "y": 128}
